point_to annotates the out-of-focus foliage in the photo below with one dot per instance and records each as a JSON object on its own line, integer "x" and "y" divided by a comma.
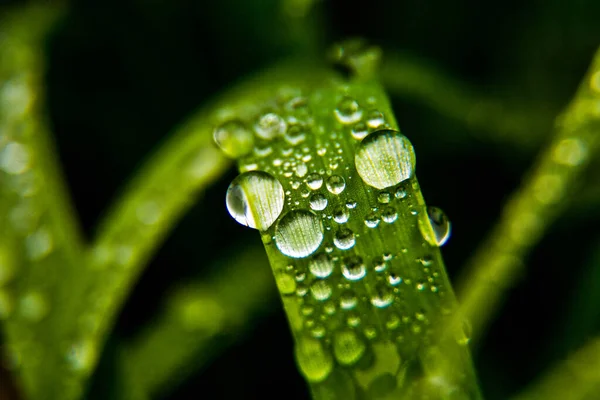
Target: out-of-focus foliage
{"x": 477, "y": 88}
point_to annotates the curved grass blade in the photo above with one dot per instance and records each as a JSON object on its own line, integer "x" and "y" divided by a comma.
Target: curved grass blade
{"x": 535, "y": 205}
{"x": 358, "y": 268}
{"x": 41, "y": 249}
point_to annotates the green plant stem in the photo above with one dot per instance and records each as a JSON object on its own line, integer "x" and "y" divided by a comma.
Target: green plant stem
{"x": 534, "y": 206}
{"x": 502, "y": 121}
{"x": 198, "y": 320}
{"x": 577, "y": 378}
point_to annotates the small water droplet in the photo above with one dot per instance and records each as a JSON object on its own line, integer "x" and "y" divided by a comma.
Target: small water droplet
{"x": 336, "y": 184}
{"x": 314, "y": 361}
{"x": 347, "y": 347}
{"x": 394, "y": 279}
{"x": 436, "y": 228}
{"x": 82, "y": 355}
{"x": 384, "y": 197}
{"x": 348, "y": 300}
{"x": 321, "y": 290}
{"x": 341, "y": 215}
{"x": 385, "y": 158}
{"x": 400, "y": 193}
{"x": 351, "y": 204}
{"x": 314, "y": 181}
{"x": 321, "y": 266}
{"x": 344, "y": 239}
{"x": 371, "y": 220}
{"x": 317, "y": 202}
{"x": 39, "y": 244}
{"x": 382, "y": 297}
{"x": 285, "y": 283}
{"x": 33, "y": 306}
{"x": 270, "y": 126}
{"x": 348, "y": 111}
{"x": 233, "y": 138}
{"x": 379, "y": 264}
{"x": 298, "y": 234}
{"x": 255, "y": 199}
{"x": 353, "y": 268}
{"x": 295, "y": 134}
{"x": 389, "y": 215}
{"x": 359, "y": 131}
{"x": 375, "y": 119}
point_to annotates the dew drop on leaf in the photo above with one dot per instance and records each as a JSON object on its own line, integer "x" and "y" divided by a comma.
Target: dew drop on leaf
{"x": 321, "y": 266}
{"x": 298, "y": 234}
{"x": 255, "y": 199}
{"x": 233, "y": 138}
{"x": 436, "y": 227}
{"x": 336, "y": 184}
{"x": 348, "y": 111}
{"x": 321, "y": 290}
{"x": 314, "y": 361}
{"x": 385, "y": 158}
{"x": 348, "y": 348}
{"x": 270, "y": 126}
{"x": 382, "y": 297}
{"x": 353, "y": 268}
{"x": 314, "y": 181}
{"x": 344, "y": 239}
{"x": 317, "y": 202}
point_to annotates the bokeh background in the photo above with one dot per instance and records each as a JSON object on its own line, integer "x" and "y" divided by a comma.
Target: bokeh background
{"x": 122, "y": 74}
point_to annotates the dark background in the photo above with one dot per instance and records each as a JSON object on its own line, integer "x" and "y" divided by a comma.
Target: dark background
{"x": 123, "y": 73}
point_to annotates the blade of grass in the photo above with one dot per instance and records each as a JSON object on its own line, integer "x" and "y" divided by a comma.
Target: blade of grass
{"x": 198, "y": 320}
{"x": 408, "y": 77}
{"x": 42, "y": 248}
{"x": 577, "y": 378}
{"x": 372, "y": 327}
{"x": 535, "y": 205}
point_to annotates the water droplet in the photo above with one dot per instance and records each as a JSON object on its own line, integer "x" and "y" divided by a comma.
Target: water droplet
{"x": 298, "y": 234}
{"x": 285, "y": 283}
{"x": 341, "y": 215}
{"x": 348, "y": 111}
{"x": 321, "y": 290}
{"x": 314, "y": 361}
{"x": 148, "y": 213}
{"x": 295, "y": 134}
{"x": 329, "y": 308}
{"x": 317, "y": 202}
{"x": 353, "y": 268}
{"x": 382, "y": 297}
{"x": 570, "y": 152}
{"x": 344, "y": 239}
{"x": 384, "y": 197}
{"x": 321, "y": 266}
{"x": 336, "y": 184}
{"x": 314, "y": 181}
{"x": 359, "y": 131}
{"x": 389, "y": 215}
{"x": 371, "y": 220}
{"x": 379, "y": 264}
{"x": 394, "y": 279}
{"x": 255, "y": 199}
{"x": 353, "y": 320}
{"x": 233, "y": 138}
{"x": 347, "y": 347}
{"x": 318, "y": 331}
{"x": 348, "y": 300}
{"x": 270, "y": 126}
{"x": 351, "y": 204}
{"x": 400, "y": 193}
{"x": 301, "y": 170}
{"x": 14, "y": 159}
{"x": 375, "y": 119}
{"x": 385, "y": 158}
{"x": 436, "y": 228}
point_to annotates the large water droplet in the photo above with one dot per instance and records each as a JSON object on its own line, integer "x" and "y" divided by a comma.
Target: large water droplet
{"x": 298, "y": 234}
{"x": 270, "y": 126}
{"x": 314, "y": 361}
{"x": 353, "y": 268}
{"x": 255, "y": 199}
{"x": 348, "y": 111}
{"x": 436, "y": 228}
{"x": 347, "y": 347}
{"x": 385, "y": 158}
{"x": 233, "y": 138}
{"x": 344, "y": 239}
{"x": 321, "y": 266}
